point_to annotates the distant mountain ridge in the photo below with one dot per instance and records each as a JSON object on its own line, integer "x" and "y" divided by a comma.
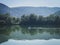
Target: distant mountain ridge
{"x": 4, "y": 9}
{"x": 44, "y": 11}
{"x": 19, "y": 11}
{"x": 57, "y": 13}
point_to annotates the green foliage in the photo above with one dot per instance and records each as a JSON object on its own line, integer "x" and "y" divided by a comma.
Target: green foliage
{"x": 28, "y": 20}
{"x": 34, "y": 20}
{"x": 31, "y": 20}
{"x": 6, "y": 19}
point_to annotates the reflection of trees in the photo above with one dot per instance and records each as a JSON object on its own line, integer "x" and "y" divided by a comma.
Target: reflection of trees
{"x": 29, "y": 31}
{"x": 3, "y": 38}
{"x": 54, "y": 31}
{"x": 6, "y": 30}
{"x": 51, "y": 31}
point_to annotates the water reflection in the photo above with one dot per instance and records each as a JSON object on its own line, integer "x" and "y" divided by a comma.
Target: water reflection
{"x": 23, "y": 33}
{"x": 32, "y": 42}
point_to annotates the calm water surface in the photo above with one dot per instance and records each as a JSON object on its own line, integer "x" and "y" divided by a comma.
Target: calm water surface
{"x": 17, "y": 35}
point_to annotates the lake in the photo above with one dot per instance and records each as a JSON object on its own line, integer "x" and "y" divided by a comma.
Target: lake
{"x": 17, "y": 35}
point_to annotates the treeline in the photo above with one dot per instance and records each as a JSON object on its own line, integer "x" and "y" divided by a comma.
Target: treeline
{"x": 6, "y": 19}
{"x": 30, "y": 20}
{"x": 34, "y": 20}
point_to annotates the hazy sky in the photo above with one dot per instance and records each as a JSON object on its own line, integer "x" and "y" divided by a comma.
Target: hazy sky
{"x": 36, "y": 3}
